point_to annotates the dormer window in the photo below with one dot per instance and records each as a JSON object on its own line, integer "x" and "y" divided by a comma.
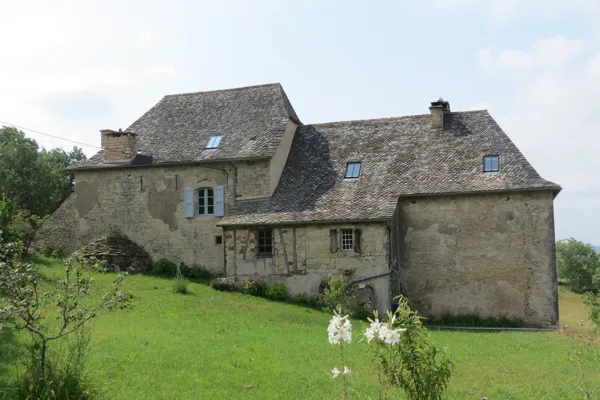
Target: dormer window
{"x": 491, "y": 163}
{"x": 353, "y": 170}
{"x": 213, "y": 142}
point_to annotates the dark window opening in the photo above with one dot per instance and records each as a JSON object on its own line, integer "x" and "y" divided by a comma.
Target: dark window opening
{"x": 218, "y": 239}
{"x": 491, "y": 163}
{"x": 265, "y": 242}
{"x": 206, "y": 201}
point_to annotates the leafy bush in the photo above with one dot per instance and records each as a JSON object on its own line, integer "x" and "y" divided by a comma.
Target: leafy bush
{"x": 222, "y": 284}
{"x": 196, "y": 272}
{"x": 304, "y": 299}
{"x": 253, "y": 288}
{"x": 578, "y": 264}
{"x": 593, "y": 301}
{"x": 164, "y": 267}
{"x": 421, "y": 369}
{"x": 338, "y": 294}
{"x": 277, "y": 292}
{"x": 180, "y": 285}
{"x": 66, "y": 373}
{"x": 474, "y": 320}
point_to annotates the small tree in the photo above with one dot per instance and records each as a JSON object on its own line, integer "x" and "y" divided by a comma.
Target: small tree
{"x": 26, "y": 305}
{"x": 421, "y": 369}
{"x": 578, "y": 263}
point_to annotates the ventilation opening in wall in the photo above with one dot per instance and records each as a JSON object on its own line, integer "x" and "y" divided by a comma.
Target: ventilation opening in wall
{"x": 218, "y": 239}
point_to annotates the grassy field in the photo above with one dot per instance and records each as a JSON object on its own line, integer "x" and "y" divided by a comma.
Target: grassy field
{"x": 214, "y": 345}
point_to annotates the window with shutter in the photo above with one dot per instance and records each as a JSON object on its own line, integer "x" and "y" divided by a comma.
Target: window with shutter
{"x": 219, "y": 201}
{"x": 357, "y": 239}
{"x": 206, "y": 201}
{"x": 333, "y": 240}
{"x": 347, "y": 239}
{"x": 189, "y": 202}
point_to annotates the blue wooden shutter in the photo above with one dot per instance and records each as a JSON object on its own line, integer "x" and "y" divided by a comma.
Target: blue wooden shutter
{"x": 189, "y": 202}
{"x": 219, "y": 201}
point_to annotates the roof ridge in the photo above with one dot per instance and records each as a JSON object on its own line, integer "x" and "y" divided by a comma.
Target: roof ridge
{"x": 224, "y": 90}
{"x": 384, "y": 119}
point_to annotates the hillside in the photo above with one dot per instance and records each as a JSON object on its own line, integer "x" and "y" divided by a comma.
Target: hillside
{"x": 211, "y": 344}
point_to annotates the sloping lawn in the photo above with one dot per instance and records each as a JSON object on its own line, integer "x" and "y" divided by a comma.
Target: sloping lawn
{"x": 215, "y": 345}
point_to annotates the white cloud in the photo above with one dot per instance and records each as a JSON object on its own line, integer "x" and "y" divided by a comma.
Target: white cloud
{"x": 548, "y": 54}
{"x": 159, "y": 71}
{"x": 503, "y": 11}
{"x": 553, "y": 119}
{"x": 146, "y": 39}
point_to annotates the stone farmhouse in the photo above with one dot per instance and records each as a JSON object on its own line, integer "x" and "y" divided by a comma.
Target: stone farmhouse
{"x": 441, "y": 207}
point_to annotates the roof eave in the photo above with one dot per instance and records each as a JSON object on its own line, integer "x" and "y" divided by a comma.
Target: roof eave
{"x": 166, "y": 163}
{"x": 308, "y": 222}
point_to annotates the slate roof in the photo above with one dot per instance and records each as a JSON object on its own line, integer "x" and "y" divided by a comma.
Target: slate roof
{"x": 400, "y": 157}
{"x": 251, "y": 121}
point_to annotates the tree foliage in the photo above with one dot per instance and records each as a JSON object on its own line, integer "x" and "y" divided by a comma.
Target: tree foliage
{"x": 578, "y": 265}
{"x": 31, "y": 177}
{"x": 26, "y": 304}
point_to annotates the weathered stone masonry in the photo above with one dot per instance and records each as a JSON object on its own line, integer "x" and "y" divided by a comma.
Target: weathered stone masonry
{"x": 302, "y": 258}
{"x": 486, "y": 254}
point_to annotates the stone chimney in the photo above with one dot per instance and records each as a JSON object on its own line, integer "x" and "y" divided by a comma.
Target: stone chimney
{"x": 438, "y": 109}
{"x": 118, "y": 146}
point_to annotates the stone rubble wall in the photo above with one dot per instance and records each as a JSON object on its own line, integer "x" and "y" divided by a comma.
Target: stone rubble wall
{"x": 491, "y": 255}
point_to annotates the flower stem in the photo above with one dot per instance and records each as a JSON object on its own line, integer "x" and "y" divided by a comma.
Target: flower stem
{"x": 343, "y": 375}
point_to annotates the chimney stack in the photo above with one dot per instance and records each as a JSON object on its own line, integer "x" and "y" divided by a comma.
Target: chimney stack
{"x": 118, "y": 146}
{"x": 438, "y": 109}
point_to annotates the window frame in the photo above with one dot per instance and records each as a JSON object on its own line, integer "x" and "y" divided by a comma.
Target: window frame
{"x": 347, "y": 239}
{"x": 264, "y": 245}
{"x": 218, "y": 240}
{"x": 352, "y": 164}
{"x": 491, "y": 157}
{"x": 213, "y": 142}
{"x": 206, "y": 203}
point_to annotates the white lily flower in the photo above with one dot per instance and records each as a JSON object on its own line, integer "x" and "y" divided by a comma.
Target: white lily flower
{"x": 335, "y": 372}
{"x": 340, "y": 329}
{"x": 347, "y": 370}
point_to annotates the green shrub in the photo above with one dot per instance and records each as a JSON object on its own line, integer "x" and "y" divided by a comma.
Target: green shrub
{"x": 474, "y": 320}
{"x": 180, "y": 285}
{"x": 222, "y": 284}
{"x": 253, "y": 288}
{"x": 304, "y": 299}
{"x": 420, "y": 368}
{"x": 196, "y": 272}
{"x": 277, "y": 292}
{"x": 593, "y": 302}
{"x": 337, "y": 293}
{"x": 66, "y": 375}
{"x": 164, "y": 267}
{"x": 578, "y": 264}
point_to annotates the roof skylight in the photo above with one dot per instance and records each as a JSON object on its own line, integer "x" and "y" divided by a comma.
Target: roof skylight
{"x": 353, "y": 170}
{"x": 213, "y": 142}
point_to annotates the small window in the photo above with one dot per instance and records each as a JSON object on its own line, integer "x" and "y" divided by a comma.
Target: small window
{"x": 206, "y": 201}
{"x": 491, "y": 163}
{"x": 347, "y": 239}
{"x": 213, "y": 142}
{"x": 265, "y": 243}
{"x": 353, "y": 170}
{"x": 218, "y": 239}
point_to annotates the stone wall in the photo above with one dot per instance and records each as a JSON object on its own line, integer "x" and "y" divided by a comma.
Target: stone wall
{"x": 252, "y": 179}
{"x": 118, "y": 146}
{"x": 491, "y": 255}
{"x": 146, "y": 205}
{"x": 302, "y": 258}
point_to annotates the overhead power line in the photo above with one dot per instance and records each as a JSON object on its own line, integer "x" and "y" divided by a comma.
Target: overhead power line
{"x": 46, "y": 134}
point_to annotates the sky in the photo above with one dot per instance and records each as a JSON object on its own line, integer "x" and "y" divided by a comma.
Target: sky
{"x": 71, "y": 68}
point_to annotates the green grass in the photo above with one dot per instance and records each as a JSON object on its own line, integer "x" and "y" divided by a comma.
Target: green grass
{"x": 210, "y": 345}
